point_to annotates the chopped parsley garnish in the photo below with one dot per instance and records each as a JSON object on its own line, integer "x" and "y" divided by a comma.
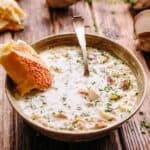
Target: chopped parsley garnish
{"x": 115, "y": 63}
{"x": 115, "y": 96}
{"x": 136, "y": 93}
{"x": 42, "y": 99}
{"x": 96, "y": 102}
{"x": 100, "y": 89}
{"x": 66, "y": 83}
{"x": 108, "y": 107}
{"x": 64, "y": 98}
{"x": 78, "y": 61}
{"x": 144, "y": 124}
{"x": 69, "y": 106}
{"x": 93, "y": 82}
{"x": 65, "y": 104}
{"x": 42, "y": 96}
{"x": 128, "y": 110}
{"x": 79, "y": 108}
{"x": 85, "y": 114}
{"x": 56, "y": 69}
{"x": 107, "y": 88}
{"x": 53, "y": 113}
{"x": 60, "y": 111}
{"x": 71, "y": 128}
{"x": 66, "y": 55}
{"x": 102, "y": 52}
{"x": 94, "y": 71}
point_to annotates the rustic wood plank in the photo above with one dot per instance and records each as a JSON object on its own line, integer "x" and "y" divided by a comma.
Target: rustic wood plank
{"x": 37, "y": 23}
{"x": 6, "y": 112}
{"x": 115, "y": 21}
{"x": 62, "y": 19}
{"x": 83, "y": 9}
{"x": 147, "y": 57}
{"x": 105, "y": 143}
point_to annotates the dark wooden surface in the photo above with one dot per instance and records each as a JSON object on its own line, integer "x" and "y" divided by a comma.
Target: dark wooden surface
{"x": 113, "y": 21}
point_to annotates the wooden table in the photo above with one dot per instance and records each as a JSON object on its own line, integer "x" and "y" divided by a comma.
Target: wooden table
{"x": 113, "y": 21}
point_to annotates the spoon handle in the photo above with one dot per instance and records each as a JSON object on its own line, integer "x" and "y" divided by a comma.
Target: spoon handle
{"x": 78, "y": 24}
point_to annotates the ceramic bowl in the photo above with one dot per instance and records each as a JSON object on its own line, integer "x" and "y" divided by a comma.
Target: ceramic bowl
{"x": 95, "y": 42}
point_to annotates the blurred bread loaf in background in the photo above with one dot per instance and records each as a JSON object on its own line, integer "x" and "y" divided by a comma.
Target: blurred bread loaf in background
{"x": 11, "y": 16}
{"x": 60, "y": 3}
{"x": 142, "y": 30}
{"x": 142, "y": 4}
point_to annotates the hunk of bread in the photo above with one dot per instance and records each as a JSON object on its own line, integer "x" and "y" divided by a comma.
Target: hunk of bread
{"x": 11, "y": 16}
{"x": 60, "y": 3}
{"x": 24, "y": 67}
{"x": 142, "y": 4}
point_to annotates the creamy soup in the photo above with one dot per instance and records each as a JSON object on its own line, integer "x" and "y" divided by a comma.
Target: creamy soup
{"x": 75, "y": 102}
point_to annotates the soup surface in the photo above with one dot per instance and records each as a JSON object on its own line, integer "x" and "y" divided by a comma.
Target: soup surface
{"x": 75, "y": 102}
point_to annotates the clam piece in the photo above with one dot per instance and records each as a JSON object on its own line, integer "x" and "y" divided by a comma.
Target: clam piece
{"x": 108, "y": 116}
{"x": 79, "y": 123}
{"x": 100, "y": 124}
{"x": 92, "y": 94}
{"x": 60, "y": 115}
{"x": 123, "y": 108}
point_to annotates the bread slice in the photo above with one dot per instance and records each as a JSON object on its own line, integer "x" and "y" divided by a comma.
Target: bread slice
{"x": 24, "y": 67}
{"x": 11, "y": 16}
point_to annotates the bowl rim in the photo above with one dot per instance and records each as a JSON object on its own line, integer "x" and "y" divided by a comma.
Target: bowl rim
{"x": 85, "y": 132}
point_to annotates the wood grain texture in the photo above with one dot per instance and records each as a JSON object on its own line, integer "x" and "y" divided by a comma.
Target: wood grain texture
{"x": 113, "y": 21}
{"x": 6, "y": 112}
{"x": 37, "y": 23}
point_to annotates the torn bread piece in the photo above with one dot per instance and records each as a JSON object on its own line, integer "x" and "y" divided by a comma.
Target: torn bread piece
{"x": 24, "y": 67}
{"x": 142, "y": 30}
{"x": 11, "y": 16}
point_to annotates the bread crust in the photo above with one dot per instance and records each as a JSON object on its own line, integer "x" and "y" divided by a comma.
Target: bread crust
{"x": 25, "y": 68}
{"x": 60, "y": 4}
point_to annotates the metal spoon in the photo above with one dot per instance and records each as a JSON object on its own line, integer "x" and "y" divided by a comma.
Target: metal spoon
{"x": 78, "y": 24}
